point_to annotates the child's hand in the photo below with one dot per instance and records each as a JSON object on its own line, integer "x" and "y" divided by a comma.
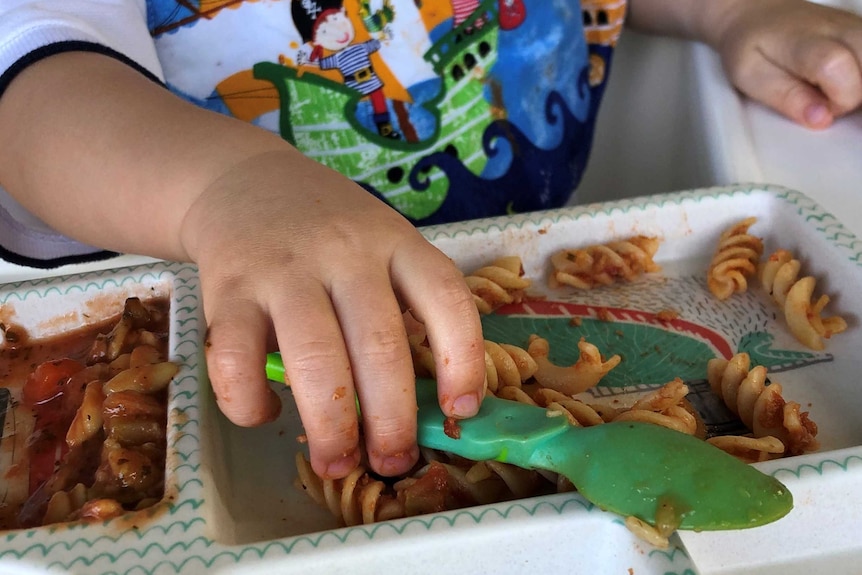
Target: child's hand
{"x": 291, "y": 254}
{"x": 303, "y": 57}
{"x": 291, "y": 251}
{"x": 800, "y": 58}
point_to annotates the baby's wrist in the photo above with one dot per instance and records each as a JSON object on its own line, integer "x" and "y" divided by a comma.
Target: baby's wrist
{"x": 717, "y": 19}
{"x": 222, "y": 209}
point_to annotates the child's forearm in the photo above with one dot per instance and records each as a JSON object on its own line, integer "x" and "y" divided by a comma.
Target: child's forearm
{"x": 701, "y": 20}
{"x": 94, "y": 148}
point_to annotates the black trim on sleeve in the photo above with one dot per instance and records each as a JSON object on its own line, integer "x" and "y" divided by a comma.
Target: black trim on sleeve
{"x": 68, "y": 46}
{"x": 25, "y": 261}
{"x": 6, "y": 78}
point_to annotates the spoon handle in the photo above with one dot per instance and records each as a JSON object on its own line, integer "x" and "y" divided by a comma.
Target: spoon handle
{"x": 275, "y": 368}
{"x": 502, "y": 430}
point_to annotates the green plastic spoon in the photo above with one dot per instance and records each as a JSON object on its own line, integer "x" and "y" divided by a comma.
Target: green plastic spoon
{"x": 629, "y": 468}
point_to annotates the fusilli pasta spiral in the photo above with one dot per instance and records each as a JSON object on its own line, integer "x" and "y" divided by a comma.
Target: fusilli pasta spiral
{"x": 499, "y": 283}
{"x": 510, "y": 366}
{"x": 507, "y": 365}
{"x": 780, "y": 277}
{"x": 441, "y": 482}
{"x": 736, "y": 258}
{"x": 603, "y": 264}
{"x": 354, "y": 500}
{"x": 761, "y": 408}
{"x": 665, "y": 406}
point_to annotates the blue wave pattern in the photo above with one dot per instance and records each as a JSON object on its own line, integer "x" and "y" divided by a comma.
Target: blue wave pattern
{"x": 529, "y": 183}
{"x": 174, "y": 539}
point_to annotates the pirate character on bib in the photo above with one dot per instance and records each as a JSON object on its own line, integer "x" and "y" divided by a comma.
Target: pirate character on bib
{"x": 325, "y": 25}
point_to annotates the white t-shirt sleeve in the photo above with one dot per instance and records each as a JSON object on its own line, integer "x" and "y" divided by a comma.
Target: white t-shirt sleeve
{"x": 118, "y": 25}
{"x": 33, "y": 29}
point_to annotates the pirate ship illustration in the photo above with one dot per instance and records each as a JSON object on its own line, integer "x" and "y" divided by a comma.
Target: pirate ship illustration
{"x": 603, "y": 23}
{"x": 447, "y": 116}
{"x": 397, "y": 169}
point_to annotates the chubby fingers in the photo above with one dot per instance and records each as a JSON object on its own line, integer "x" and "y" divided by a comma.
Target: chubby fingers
{"x": 370, "y": 318}
{"x": 317, "y": 365}
{"x": 235, "y": 349}
{"x": 435, "y": 291}
{"x": 815, "y": 82}
{"x": 832, "y": 67}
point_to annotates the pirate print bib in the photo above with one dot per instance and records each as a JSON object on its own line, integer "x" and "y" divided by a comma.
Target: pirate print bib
{"x": 445, "y": 109}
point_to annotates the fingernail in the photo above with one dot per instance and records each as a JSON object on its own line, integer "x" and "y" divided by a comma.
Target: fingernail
{"x": 465, "y": 406}
{"x": 342, "y": 466}
{"x": 816, "y": 114}
{"x": 398, "y": 464}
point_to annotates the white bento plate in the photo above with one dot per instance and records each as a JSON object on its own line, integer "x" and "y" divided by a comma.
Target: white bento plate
{"x": 233, "y": 508}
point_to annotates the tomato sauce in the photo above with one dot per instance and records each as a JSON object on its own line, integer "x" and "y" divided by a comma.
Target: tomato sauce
{"x": 42, "y": 386}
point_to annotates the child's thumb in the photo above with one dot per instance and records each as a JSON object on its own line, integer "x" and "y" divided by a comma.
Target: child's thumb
{"x": 789, "y": 95}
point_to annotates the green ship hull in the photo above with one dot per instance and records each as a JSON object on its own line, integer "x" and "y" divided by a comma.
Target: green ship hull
{"x": 318, "y": 116}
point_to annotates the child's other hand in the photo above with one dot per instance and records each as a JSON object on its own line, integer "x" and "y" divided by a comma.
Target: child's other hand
{"x": 325, "y": 270}
{"x": 802, "y": 59}
{"x": 303, "y": 56}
